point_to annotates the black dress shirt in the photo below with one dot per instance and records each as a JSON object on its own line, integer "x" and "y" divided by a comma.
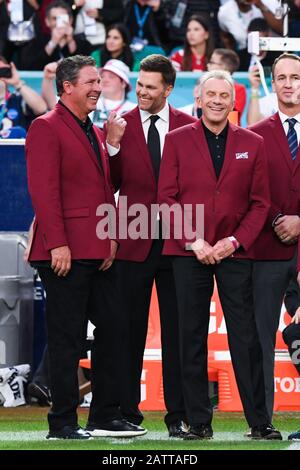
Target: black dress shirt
{"x": 88, "y": 129}
{"x": 217, "y": 145}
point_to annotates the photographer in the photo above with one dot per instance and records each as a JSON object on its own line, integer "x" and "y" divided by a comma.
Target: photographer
{"x": 61, "y": 43}
{"x": 19, "y": 108}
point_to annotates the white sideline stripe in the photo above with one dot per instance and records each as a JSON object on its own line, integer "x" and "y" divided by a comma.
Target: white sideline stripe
{"x": 150, "y": 436}
{"x": 294, "y": 446}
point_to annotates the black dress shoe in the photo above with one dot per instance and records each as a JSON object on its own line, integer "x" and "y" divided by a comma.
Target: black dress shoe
{"x": 68, "y": 432}
{"x": 115, "y": 428}
{"x": 265, "y": 432}
{"x": 178, "y": 429}
{"x": 40, "y": 392}
{"x": 199, "y": 431}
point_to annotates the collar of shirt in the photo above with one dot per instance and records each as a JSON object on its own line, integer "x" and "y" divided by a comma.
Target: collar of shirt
{"x": 86, "y": 126}
{"x": 163, "y": 114}
{"x": 283, "y": 117}
{"x": 161, "y": 124}
{"x": 211, "y": 135}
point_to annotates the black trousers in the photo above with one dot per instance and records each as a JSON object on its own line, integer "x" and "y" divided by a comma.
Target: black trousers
{"x": 84, "y": 293}
{"x": 136, "y": 281}
{"x": 270, "y": 282}
{"x": 194, "y": 285}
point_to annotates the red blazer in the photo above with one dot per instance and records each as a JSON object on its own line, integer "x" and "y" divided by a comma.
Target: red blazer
{"x": 66, "y": 186}
{"x": 132, "y": 173}
{"x": 234, "y": 205}
{"x": 284, "y": 186}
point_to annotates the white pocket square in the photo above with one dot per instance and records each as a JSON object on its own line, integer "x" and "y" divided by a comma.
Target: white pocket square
{"x": 241, "y": 155}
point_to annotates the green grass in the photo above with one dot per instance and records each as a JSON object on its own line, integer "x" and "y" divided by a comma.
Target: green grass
{"x": 27, "y": 419}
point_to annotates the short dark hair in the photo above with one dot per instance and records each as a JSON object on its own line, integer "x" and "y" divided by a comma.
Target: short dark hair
{"x": 159, "y": 63}
{"x": 258, "y": 24}
{"x": 230, "y": 59}
{"x": 68, "y": 70}
{"x": 285, "y": 55}
{"x": 58, "y": 4}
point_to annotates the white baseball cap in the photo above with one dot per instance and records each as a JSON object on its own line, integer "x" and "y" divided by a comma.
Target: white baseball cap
{"x": 118, "y": 68}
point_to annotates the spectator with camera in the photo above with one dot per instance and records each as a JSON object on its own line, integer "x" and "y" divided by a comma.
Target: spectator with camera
{"x": 18, "y": 25}
{"x": 19, "y": 108}
{"x": 61, "y": 43}
{"x": 95, "y": 16}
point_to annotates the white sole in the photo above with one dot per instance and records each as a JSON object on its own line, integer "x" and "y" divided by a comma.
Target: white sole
{"x": 105, "y": 433}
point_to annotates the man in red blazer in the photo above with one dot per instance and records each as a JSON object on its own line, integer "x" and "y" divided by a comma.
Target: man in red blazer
{"x": 140, "y": 262}
{"x": 69, "y": 178}
{"x": 276, "y": 247}
{"x": 222, "y": 167}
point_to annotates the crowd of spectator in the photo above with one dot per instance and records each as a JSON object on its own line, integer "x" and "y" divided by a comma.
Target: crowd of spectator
{"x": 195, "y": 34}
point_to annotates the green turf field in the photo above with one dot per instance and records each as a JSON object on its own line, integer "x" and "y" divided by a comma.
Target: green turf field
{"x": 24, "y": 428}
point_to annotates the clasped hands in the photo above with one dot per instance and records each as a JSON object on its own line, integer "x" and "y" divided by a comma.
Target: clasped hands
{"x": 287, "y": 228}
{"x": 208, "y": 254}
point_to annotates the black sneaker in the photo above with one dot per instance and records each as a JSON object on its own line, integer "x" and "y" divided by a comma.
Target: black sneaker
{"x": 116, "y": 428}
{"x": 40, "y": 392}
{"x": 265, "y": 432}
{"x": 178, "y": 429}
{"x": 199, "y": 431}
{"x": 68, "y": 432}
{"x": 295, "y": 436}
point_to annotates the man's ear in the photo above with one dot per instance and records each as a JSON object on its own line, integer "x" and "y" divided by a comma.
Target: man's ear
{"x": 168, "y": 90}
{"x": 67, "y": 86}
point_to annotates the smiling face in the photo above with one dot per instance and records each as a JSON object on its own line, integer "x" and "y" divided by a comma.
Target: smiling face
{"x": 286, "y": 84}
{"x": 216, "y": 101}
{"x": 82, "y": 96}
{"x": 151, "y": 91}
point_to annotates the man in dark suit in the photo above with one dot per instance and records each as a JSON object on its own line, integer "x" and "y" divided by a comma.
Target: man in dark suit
{"x": 69, "y": 178}
{"x": 291, "y": 334}
{"x": 140, "y": 262}
{"x": 221, "y": 167}
{"x": 275, "y": 249}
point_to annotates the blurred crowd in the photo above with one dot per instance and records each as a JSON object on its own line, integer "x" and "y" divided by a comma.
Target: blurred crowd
{"x": 36, "y": 34}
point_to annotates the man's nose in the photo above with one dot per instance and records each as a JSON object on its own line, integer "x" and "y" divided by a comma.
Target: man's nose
{"x": 288, "y": 82}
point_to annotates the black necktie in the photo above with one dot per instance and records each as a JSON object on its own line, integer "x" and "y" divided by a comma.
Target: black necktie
{"x": 153, "y": 143}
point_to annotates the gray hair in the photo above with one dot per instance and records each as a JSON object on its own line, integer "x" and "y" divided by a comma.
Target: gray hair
{"x": 220, "y": 75}
{"x": 68, "y": 70}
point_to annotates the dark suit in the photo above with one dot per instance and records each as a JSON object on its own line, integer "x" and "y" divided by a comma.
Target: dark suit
{"x": 236, "y": 204}
{"x": 140, "y": 264}
{"x": 276, "y": 261}
{"x": 67, "y": 184}
{"x": 292, "y": 332}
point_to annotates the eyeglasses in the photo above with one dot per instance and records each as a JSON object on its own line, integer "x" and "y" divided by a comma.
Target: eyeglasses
{"x": 211, "y": 62}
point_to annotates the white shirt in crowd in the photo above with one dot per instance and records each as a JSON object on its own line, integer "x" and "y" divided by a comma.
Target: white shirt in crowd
{"x": 105, "y": 107}
{"x": 233, "y": 21}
